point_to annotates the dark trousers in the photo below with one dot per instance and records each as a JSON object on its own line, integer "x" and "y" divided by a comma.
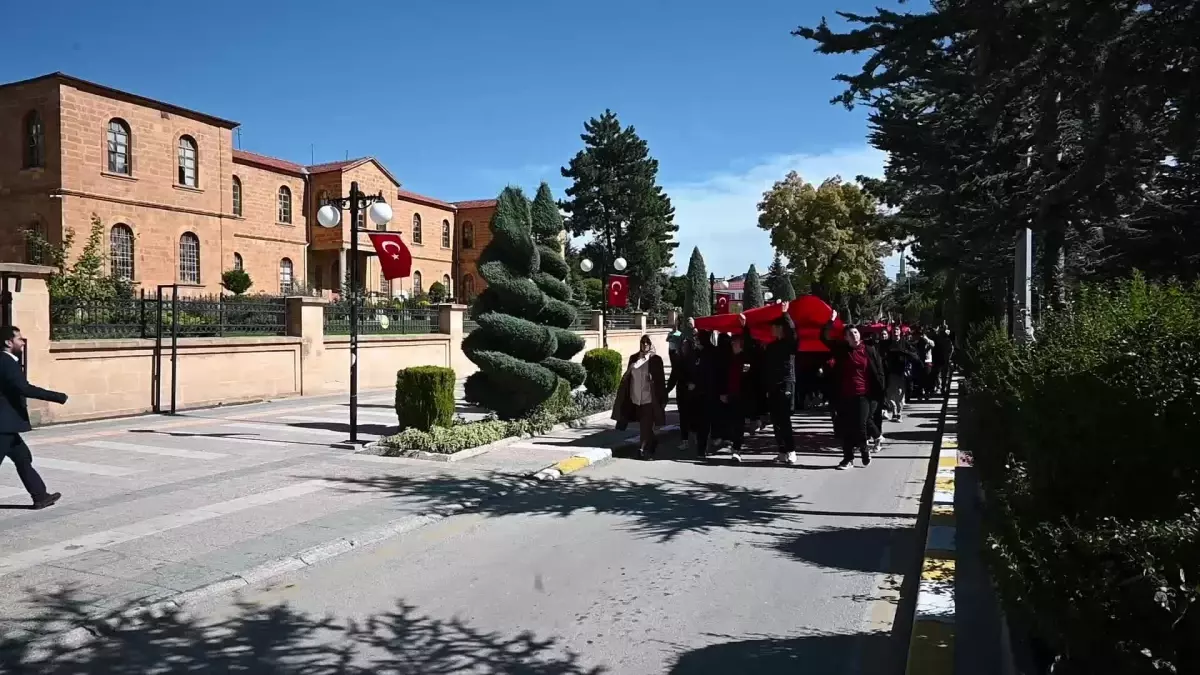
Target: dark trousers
{"x": 733, "y": 414}
{"x": 645, "y": 415}
{"x": 779, "y": 399}
{"x": 876, "y": 418}
{"x": 12, "y": 447}
{"x": 699, "y": 421}
{"x": 856, "y": 426}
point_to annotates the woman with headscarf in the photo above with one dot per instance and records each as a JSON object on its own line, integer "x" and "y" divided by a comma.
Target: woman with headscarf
{"x": 642, "y": 396}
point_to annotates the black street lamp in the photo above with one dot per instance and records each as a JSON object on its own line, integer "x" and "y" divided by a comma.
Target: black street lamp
{"x": 330, "y": 216}
{"x": 619, "y": 265}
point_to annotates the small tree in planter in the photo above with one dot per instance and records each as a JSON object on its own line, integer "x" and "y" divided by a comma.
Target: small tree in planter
{"x": 236, "y": 281}
{"x": 437, "y": 293}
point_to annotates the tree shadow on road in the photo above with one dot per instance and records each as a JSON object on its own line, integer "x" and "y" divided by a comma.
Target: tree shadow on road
{"x": 278, "y": 640}
{"x": 662, "y": 509}
{"x": 873, "y": 549}
{"x": 812, "y": 654}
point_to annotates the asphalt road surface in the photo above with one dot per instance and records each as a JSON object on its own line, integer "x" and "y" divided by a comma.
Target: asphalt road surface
{"x": 629, "y": 567}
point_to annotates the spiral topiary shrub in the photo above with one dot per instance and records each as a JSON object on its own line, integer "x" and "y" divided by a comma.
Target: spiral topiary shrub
{"x": 559, "y": 313}
{"x": 425, "y": 397}
{"x": 515, "y": 352}
{"x": 603, "y": 367}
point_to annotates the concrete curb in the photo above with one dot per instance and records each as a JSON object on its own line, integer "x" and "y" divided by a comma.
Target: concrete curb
{"x": 591, "y": 456}
{"x": 931, "y": 647}
{"x": 377, "y": 447}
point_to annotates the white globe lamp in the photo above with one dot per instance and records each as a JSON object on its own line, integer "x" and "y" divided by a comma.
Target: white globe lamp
{"x": 768, "y": 295}
{"x": 329, "y": 216}
{"x": 585, "y": 265}
{"x": 619, "y": 264}
{"x": 380, "y": 213}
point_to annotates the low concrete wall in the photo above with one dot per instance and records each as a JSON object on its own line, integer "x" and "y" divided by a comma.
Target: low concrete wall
{"x": 106, "y": 378}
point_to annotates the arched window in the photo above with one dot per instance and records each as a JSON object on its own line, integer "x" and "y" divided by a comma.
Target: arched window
{"x": 417, "y": 288}
{"x": 468, "y": 287}
{"x": 119, "y": 156}
{"x": 445, "y": 234}
{"x": 468, "y": 235}
{"x": 35, "y": 141}
{"x": 446, "y": 285}
{"x": 237, "y": 196}
{"x": 120, "y": 251}
{"x": 416, "y": 233}
{"x": 286, "y": 281}
{"x": 189, "y": 164}
{"x": 285, "y": 204}
{"x": 385, "y": 285}
{"x": 35, "y": 240}
{"x": 189, "y": 259}
{"x": 237, "y": 262}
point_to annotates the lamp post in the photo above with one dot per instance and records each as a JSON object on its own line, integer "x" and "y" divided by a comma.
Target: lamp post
{"x": 330, "y": 216}
{"x": 712, "y": 291}
{"x": 619, "y": 265}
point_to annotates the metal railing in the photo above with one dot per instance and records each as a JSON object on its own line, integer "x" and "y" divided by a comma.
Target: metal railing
{"x": 381, "y": 318}
{"x": 198, "y": 316}
{"x": 623, "y": 321}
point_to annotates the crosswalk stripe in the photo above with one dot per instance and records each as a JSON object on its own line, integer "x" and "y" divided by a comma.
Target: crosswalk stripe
{"x": 119, "y": 535}
{"x": 153, "y": 450}
{"x": 281, "y": 428}
{"x": 319, "y": 420}
{"x": 82, "y": 467}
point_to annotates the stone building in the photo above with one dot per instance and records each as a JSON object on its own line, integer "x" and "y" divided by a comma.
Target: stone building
{"x": 181, "y": 205}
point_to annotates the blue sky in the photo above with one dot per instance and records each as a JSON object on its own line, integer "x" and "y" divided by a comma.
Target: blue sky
{"x": 461, "y": 97}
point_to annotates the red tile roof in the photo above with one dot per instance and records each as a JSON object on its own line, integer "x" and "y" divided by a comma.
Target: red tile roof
{"x": 430, "y": 201}
{"x": 476, "y": 204}
{"x": 346, "y": 165}
{"x": 266, "y": 162}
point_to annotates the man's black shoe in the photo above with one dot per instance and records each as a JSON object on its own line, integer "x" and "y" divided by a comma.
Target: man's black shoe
{"x": 49, "y": 500}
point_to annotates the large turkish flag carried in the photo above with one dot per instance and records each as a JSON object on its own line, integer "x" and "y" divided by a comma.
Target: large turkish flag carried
{"x": 394, "y": 259}
{"x": 618, "y": 290}
{"x": 809, "y": 312}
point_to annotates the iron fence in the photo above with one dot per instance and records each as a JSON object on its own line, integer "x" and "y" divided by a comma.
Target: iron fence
{"x": 623, "y": 322}
{"x": 136, "y": 317}
{"x": 381, "y": 317}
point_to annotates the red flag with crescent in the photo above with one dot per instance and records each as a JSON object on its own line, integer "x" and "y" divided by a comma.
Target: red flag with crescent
{"x": 618, "y": 290}
{"x": 722, "y": 303}
{"x": 394, "y": 259}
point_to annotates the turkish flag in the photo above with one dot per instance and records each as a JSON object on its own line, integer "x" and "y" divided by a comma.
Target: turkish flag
{"x": 809, "y": 313}
{"x": 722, "y": 303}
{"x": 394, "y": 259}
{"x": 618, "y": 290}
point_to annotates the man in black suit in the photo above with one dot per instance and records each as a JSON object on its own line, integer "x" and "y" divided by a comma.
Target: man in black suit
{"x": 14, "y": 415}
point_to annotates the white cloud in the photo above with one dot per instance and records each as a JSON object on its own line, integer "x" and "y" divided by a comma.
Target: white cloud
{"x": 720, "y": 213}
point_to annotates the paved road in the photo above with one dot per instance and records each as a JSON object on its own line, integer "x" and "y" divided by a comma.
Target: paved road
{"x": 630, "y": 567}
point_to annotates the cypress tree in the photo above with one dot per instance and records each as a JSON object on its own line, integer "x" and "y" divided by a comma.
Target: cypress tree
{"x": 510, "y": 345}
{"x": 779, "y": 281}
{"x": 697, "y": 301}
{"x": 553, "y": 279}
{"x": 752, "y": 294}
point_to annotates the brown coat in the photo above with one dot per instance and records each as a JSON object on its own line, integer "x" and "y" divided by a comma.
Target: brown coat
{"x": 623, "y": 408}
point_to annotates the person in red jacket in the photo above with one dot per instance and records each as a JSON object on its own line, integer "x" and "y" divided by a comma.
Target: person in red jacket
{"x": 859, "y": 383}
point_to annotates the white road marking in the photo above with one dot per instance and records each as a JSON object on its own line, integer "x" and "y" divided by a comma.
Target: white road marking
{"x": 281, "y": 428}
{"x": 81, "y": 467}
{"x": 96, "y": 540}
{"x": 328, "y": 420}
{"x": 153, "y": 450}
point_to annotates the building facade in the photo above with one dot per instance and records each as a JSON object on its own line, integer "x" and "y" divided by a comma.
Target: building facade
{"x": 180, "y": 205}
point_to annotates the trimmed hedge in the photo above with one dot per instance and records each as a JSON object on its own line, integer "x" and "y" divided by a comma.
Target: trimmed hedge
{"x": 1085, "y": 447}
{"x": 603, "y": 368}
{"x": 425, "y": 397}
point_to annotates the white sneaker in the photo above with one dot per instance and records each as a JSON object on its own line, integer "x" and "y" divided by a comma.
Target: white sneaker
{"x": 790, "y": 458}
{"x": 735, "y": 457}
{"x": 878, "y": 443}
{"x": 845, "y": 464}
{"x": 887, "y": 416}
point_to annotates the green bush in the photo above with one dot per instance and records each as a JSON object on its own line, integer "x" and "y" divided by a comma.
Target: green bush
{"x": 1084, "y": 447}
{"x": 425, "y": 397}
{"x": 603, "y": 368}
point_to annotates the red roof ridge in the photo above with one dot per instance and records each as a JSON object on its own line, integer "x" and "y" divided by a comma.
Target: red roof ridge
{"x": 475, "y": 203}
{"x": 268, "y": 162}
{"x": 413, "y": 196}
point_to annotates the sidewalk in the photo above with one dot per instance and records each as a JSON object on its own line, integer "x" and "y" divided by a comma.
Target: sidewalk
{"x": 158, "y": 506}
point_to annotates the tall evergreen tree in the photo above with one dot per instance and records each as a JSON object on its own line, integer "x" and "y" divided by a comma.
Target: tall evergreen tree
{"x": 779, "y": 280}
{"x": 615, "y": 198}
{"x": 752, "y": 290}
{"x": 697, "y": 301}
{"x": 553, "y": 279}
{"x": 511, "y": 345}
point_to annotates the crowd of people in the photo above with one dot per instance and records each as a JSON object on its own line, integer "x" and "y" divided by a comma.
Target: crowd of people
{"x": 726, "y": 383}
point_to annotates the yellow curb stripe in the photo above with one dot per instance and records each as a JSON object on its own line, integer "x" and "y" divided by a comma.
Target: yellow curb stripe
{"x": 945, "y": 484}
{"x": 938, "y": 569}
{"x": 947, "y": 462}
{"x": 931, "y": 651}
{"x": 950, "y": 444}
{"x": 572, "y": 464}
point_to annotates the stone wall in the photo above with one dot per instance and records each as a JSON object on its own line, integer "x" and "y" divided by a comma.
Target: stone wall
{"x": 106, "y": 378}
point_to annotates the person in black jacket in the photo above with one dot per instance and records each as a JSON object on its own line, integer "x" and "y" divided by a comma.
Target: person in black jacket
{"x": 14, "y": 415}
{"x": 898, "y": 360}
{"x": 778, "y": 377}
{"x": 860, "y": 382}
{"x": 700, "y": 393}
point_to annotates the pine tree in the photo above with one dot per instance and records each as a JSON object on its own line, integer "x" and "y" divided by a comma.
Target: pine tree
{"x": 553, "y": 279}
{"x": 779, "y": 281}
{"x": 616, "y": 199}
{"x": 510, "y": 345}
{"x": 697, "y": 301}
{"x": 752, "y": 290}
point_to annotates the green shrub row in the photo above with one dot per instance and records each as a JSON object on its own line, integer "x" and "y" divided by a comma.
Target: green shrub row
{"x": 425, "y": 397}
{"x": 1085, "y": 444}
{"x": 450, "y": 438}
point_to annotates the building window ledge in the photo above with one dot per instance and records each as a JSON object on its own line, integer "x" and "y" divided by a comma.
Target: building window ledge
{"x": 282, "y": 224}
{"x": 186, "y": 188}
{"x": 119, "y": 176}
